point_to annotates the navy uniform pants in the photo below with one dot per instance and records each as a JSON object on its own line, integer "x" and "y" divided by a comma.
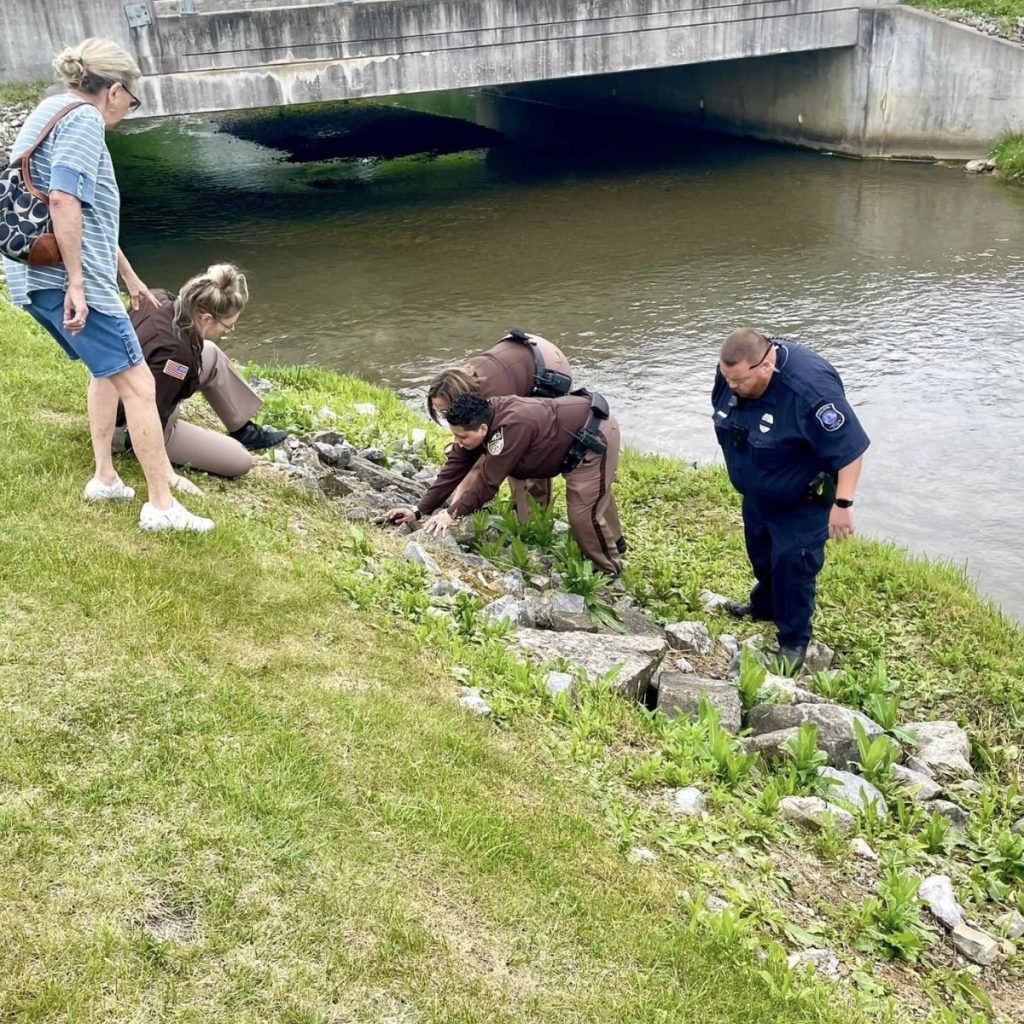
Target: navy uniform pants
{"x": 786, "y": 551}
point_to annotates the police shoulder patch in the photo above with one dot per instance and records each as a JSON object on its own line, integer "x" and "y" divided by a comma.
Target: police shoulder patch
{"x": 830, "y": 417}
{"x": 496, "y": 444}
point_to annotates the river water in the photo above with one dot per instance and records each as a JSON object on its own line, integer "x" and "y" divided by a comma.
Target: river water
{"x": 637, "y": 256}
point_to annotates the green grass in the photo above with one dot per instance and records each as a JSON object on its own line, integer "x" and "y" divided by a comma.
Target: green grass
{"x": 1006, "y": 10}
{"x": 235, "y": 785}
{"x": 22, "y": 93}
{"x": 1008, "y": 154}
{"x": 230, "y": 793}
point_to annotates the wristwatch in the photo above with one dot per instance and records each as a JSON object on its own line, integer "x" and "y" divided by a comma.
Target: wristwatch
{"x": 844, "y": 502}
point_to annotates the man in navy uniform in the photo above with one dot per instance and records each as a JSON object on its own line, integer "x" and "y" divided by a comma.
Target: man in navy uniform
{"x": 793, "y": 448}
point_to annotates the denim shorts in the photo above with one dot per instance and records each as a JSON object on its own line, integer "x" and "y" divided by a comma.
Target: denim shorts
{"x": 107, "y": 344}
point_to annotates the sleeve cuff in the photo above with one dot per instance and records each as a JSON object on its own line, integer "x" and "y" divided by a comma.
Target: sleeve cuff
{"x": 74, "y": 183}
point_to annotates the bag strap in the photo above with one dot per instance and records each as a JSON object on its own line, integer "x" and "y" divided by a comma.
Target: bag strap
{"x": 26, "y": 173}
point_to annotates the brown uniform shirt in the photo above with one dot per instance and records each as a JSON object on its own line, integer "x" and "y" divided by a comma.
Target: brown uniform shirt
{"x": 505, "y": 369}
{"x": 529, "y": 439}
{"x": 175, "y": 359}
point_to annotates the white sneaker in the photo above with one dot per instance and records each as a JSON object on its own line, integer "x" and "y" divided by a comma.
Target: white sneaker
{"x": 177, "y": 517}
{"x": 96, "y": 490}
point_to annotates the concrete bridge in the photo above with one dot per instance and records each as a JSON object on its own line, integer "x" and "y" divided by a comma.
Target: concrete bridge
{"x": 861, "y": 77}
{"x": 208, "y": 55}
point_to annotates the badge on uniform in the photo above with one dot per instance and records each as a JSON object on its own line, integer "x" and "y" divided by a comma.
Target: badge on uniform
{"x": 767, "y": 422}
{"x": 830, "y": 417}
{"x": 177, "y": 370}
{"x": 496, "y": 444}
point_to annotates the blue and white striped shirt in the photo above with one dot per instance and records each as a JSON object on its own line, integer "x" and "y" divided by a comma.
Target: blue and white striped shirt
{"x": 74, "y": 159}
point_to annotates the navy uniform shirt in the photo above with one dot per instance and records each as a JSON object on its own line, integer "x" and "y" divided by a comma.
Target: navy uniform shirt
{"x": 775, "y": 445}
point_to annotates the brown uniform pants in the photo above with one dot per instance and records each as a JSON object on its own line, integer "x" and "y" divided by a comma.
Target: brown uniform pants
{"x": 234, "y": 402}
{"x": 593, "y": 515}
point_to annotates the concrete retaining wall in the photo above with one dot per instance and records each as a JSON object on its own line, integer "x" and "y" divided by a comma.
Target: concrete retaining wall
{"x": 914, "y": 86}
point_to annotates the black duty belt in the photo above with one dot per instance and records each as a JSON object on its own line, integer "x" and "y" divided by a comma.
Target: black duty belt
{"x": 588, "y": 439}
{"x": 546, "y": 383}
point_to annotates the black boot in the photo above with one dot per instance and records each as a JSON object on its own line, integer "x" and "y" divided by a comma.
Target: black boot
{"x": 257, "y": 438}
{"x": 790, "y": 658}
{"x": 621, "y": 546}
{"x": 738, "y": 609}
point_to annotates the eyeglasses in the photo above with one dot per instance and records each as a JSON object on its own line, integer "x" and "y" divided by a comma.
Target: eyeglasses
{"x": 135, "y": 101}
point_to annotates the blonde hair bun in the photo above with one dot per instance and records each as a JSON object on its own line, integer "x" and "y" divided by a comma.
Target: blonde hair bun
{"x": 94, "y": 64}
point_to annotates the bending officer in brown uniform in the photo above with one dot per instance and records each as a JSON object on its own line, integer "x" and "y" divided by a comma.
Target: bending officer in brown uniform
{"x": 538, "y": 439}
{"x": 520, "y": 364}
{"x": 177, "y": 340}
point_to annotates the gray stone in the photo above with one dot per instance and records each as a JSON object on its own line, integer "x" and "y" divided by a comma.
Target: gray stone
{"x": 680, "y": 694}
{"x": 819, "y": 657}
{"x": 413, "y": 552}
{"x": 729, "y": 644}
{"x": 475, "y": 561}
{"x": 976, "y": 945}
{"x": 404, "y": 468}
{"x": 944, "y": 748}
{"x": 261, "y": 385}
{"x": 715, "y": 904}
{"x": 954, "y": 812}
{"x": 328, "y": 437}
{"x": 689, "y": 637}
{"x": 711, "y": 601}
{"x": 558, "y": 682}
{"x": 770, "y": 744}
{"x": 836, "y": 734}
{"x": 305, "y": 457}
{"x": 334, "y": 485}
{"x": 511, "y": 609}
{"x": 1011, "y": 924}
{"x": 641, "y": 855}
{"x": 513, "y": 582}
{"x": 449, "y": 588}
{"x": 783, "y": 690}
{"x": 373, "y": 454}
{"x": 426, "y": 475}
{"x": 598, "y": 655}
{"x": 336, "y": 455}
{"x": 473, "y": 701}
{"x": 939, "y": 898}
{"x": 811, "y": 811}
{"x": 918, "y": 766}
{"x": 568, "y": 613}
{"x": 1018, "y": 827}
{"x": 852, "y": 789}
{"x": 861, "y": 849}
{"x": 540, "y": 582}
{"x": 326, "y": 413}
{"x": 917, "y": 785}
{"x": 680, "y": 664}
{"x": 365, "y": 408}
{"x": 979, "y": 166}
{"x": 823, "y": 962}
{"x": 688, "y": 802}
{"x": 635, "y": 620}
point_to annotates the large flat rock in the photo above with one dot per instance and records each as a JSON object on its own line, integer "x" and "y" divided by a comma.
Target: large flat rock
{"x": 597, "y": 654}
{"x": 836, "y": 735}
{"x": 680, "y": 694}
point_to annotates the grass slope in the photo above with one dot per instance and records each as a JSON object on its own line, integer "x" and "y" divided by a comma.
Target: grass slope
{"x": 234, "y": 784}
{"x": 226, "y": 795}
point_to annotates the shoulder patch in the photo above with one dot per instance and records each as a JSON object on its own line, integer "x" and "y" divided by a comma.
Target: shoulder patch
{"x": 496, "y": 445}
{"x": 177, "y": 370}
{"x": 830, "y": 417}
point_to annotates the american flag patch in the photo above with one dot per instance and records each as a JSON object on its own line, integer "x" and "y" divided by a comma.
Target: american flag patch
{"x": 173, "y": 369}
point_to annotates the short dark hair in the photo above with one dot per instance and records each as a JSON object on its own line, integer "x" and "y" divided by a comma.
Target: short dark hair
{"x": 743, "y": 346}
{"x": 470, "y": 412}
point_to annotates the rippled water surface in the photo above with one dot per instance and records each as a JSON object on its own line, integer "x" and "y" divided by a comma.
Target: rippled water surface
{"x": 638, "y": 256}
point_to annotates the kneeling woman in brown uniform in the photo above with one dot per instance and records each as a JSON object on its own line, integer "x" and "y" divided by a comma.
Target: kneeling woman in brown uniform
{"x": 177, "y": 340}
{"x": 522, "y": 365}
